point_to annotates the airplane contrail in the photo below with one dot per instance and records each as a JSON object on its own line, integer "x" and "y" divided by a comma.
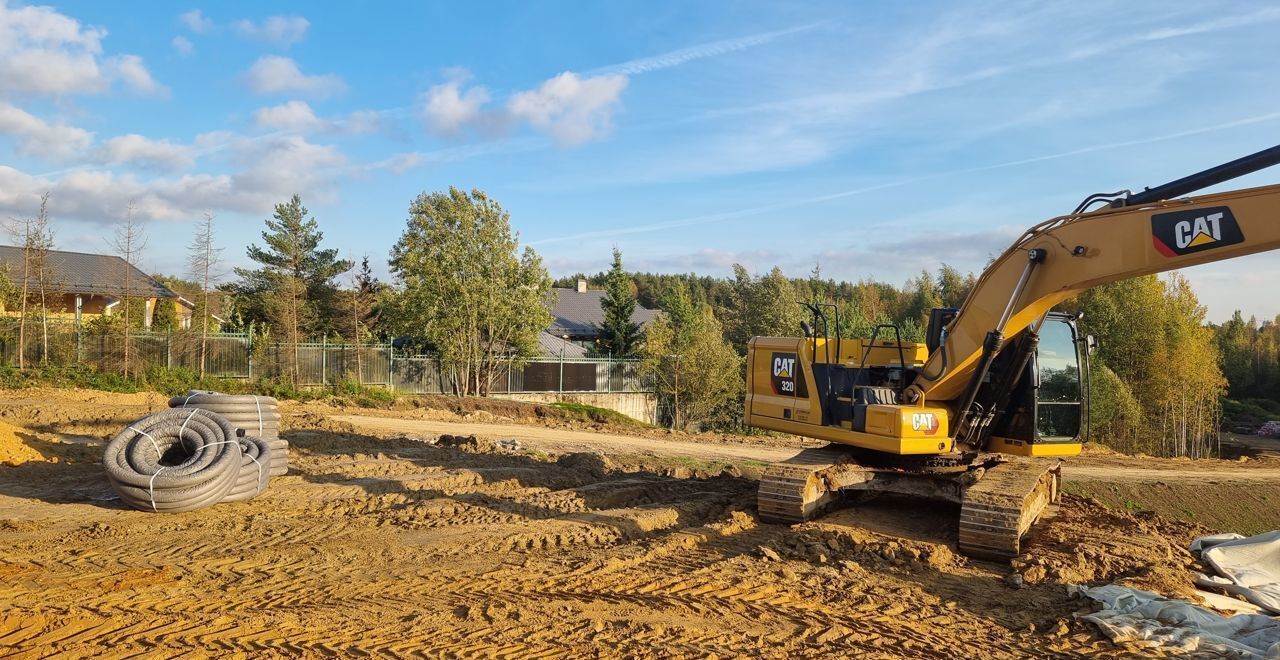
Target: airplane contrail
{"x": 759, "y": 210}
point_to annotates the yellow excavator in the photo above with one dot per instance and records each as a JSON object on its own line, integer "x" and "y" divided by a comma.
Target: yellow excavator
{"x": 982, "y": 412}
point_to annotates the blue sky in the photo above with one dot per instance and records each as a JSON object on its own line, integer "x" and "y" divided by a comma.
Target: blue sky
{"x": 876, "y": 139}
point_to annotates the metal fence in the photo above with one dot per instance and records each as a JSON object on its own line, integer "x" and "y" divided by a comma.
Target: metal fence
{"x": 235, "y": 355}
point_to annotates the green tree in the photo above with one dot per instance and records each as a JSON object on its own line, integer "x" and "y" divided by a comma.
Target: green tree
{"x": 767, "y": 306}
{"x": 922, "y": 296}
{"x": 953, "y": 287}
{"x": 293, "y": 289}
{"x": 467, "y": 289}
{"x": 295, "y": 277}
{"x": 619, "y": 335}
{"x": 697, "y": 374}
{"x": 361, "y": 311}
{"x": 1154, "y": 340}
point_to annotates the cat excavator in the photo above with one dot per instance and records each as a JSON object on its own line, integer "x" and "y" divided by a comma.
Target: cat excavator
{"x": 983, "y": 411}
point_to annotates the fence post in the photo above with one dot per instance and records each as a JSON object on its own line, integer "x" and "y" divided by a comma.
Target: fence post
{"x": 608, "y": 374}
{"x": 168, "y": 349}
{"x": 324, "y": 360}
{"x": 391, "y": 367}
{"x": 562, "y": 366}
{"x": 249, "y": 348}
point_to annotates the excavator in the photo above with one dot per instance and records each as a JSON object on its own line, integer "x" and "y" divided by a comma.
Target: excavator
{"x": 982, "y": 413}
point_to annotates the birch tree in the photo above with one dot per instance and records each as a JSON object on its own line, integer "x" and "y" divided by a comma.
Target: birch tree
{"x": 128, "y": 241}
{"x": 203, "y": 258}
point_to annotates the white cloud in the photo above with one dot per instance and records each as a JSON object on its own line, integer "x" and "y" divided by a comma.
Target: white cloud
{"x": 45, "y": 52}
{"x": 196, "y": 21}
{"x": 183, "y": 45}
{"x": 146, "y": 152}
{"x": 267, "y": 170}
{"x": 571, "y": 109}
{"x": 273, "y": 74}
{"x": 365, "y": 121}
{"x": 401, "y": 163}
{"x": 130, "y": 70}
{"x": 448, "y": 111}
{"x": 282, "y": 31}
{"x": 294, "y": 115}
{"x": 37, "y": 138}
{"x": 300, "y": 117}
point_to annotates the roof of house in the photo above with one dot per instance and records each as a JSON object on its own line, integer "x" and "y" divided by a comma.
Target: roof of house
{"x": 578, "y": 313}
{"x": 81, "y": 272}
{"x": 552, "y": 345}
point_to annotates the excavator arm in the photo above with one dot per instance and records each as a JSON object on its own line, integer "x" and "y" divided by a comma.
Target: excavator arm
{"x": 1059, "y": 258}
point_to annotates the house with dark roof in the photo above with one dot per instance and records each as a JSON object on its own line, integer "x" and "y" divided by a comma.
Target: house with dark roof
{"x": 577, "y": 316}
{"x": 88, "y": 285}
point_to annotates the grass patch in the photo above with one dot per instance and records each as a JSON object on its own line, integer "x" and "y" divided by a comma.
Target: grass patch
{"x": 179, "y": 380}
{"x": 1248, "y": 414}
{"x": 587, "y": 413}
{"x": 1244, "y": 508}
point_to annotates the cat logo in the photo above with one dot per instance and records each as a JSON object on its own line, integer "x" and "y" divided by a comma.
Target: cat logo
{"x": 927, "y": 422}
{"x": 1187, "y": 232}
{"x": 786, "y": 380}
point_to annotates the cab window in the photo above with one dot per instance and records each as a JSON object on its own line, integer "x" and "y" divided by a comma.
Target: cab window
{"x": 1058, "y": 393}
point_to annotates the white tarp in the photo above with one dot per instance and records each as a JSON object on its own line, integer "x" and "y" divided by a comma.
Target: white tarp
{"x": 1142, "y": 617}
{"x": 1247, "y": 567}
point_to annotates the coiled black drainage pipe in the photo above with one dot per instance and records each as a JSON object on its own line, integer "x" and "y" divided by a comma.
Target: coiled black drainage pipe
{"x": 259, "y": 416}
{"x": 183, "y": 460}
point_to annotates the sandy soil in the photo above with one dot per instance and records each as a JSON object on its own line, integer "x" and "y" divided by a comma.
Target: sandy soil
{"x": 383, "y": 543}
{"x": 560, "y": 440}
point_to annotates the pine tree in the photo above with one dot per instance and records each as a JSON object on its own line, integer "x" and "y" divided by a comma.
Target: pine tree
{"x": 292, "y": 263}
{"x": 619, "y": 335}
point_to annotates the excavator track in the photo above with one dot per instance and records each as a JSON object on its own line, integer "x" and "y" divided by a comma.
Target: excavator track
{"x": 794, "y": 490}
{"x": 999, "y": 498}
{"x": 998, "y": 510}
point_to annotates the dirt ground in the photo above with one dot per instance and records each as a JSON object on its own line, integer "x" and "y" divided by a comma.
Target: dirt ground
{"x": 379, "y": 542}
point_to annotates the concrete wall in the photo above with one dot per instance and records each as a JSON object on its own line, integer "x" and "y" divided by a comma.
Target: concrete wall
{"x": 636, "y": 405}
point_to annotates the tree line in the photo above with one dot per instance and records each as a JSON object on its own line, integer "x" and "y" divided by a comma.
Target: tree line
{"x": 464, "y": 290}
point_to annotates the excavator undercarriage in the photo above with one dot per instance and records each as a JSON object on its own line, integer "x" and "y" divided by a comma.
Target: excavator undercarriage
{"x": 1000, "y": 496}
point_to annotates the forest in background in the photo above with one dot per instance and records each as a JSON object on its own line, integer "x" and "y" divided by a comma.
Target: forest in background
{"x": 1163, "y": 377}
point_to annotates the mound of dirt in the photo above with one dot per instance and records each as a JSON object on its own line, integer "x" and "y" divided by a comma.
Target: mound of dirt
{"x": 1088, "y": 543}
{"x": 13, "y": 451}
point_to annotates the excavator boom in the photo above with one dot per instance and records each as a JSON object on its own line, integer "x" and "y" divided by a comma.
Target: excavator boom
{"x": 1078, "y": 252}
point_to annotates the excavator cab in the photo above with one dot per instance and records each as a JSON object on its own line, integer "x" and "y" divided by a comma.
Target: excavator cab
{"x": 1047, "y": 409}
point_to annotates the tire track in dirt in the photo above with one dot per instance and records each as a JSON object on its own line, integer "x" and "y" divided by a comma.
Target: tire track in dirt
{"x": 399, "y": 548}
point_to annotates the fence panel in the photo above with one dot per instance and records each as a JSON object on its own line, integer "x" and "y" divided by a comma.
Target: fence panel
{"x": 233, "y": 355}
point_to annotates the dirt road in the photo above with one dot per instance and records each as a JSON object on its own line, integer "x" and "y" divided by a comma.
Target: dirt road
{"x": 377, "y": 543}
{"x": 558, "y": 440}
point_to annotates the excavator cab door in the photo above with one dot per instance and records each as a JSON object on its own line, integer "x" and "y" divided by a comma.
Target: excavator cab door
{"x": 1045, "y": 415}
{"x": 1057, "y": 382}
